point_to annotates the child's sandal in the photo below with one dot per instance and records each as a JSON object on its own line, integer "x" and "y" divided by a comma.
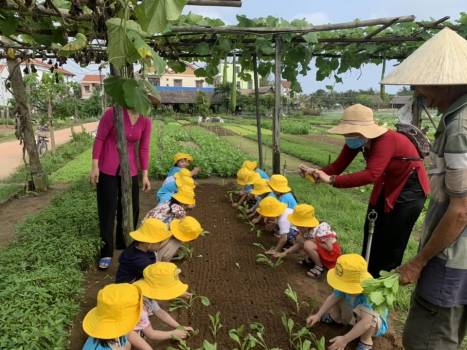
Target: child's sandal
{"x": 316, "y": 272}
{"x": 363, "y": 346}
{"x": 307, "y": 262}
{"x": 104, "y": 263}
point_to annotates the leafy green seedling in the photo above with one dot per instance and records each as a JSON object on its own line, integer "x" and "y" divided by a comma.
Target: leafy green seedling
{"x": 187, "y": 304}
{"x": 266, "y": 260}
{"x": 216, "y": 324}
{"x": 292, "y": 295}
{"x": 382, "y": 292}
{"x": 244, "y": 341}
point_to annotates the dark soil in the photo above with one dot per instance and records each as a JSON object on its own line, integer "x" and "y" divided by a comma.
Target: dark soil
{"x": 224, "y": 269}
{"x": 219, "y": 130}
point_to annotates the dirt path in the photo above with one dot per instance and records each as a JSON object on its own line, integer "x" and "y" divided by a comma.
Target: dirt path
{"x": 224, "y": 269}
{"x": 12, "y": 151}
{"x": 14, "y": 211}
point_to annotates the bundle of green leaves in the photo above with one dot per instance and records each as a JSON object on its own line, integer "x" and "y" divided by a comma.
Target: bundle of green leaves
{"x": 382, "y": 292}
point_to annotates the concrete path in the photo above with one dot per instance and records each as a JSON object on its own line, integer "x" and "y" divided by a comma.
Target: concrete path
{"x": 11, "y": 152}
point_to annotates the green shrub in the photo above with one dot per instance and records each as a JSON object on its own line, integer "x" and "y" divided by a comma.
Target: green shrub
{"x": 42, "y": 270}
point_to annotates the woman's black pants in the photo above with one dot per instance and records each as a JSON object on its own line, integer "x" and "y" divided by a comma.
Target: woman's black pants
{"x": 109, "y": 204}
{"x": 392, "y": 230}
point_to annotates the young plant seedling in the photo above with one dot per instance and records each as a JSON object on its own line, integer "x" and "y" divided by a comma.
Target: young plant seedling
{"x": 292, "y": 295}
{"x": 187, "y": 304}
{"x": 303, "y": 339}
{"x": 382, "y": 292}
{"x": 244, "y": 342}
{"x": 186, "y": 251}
{"x": 216, "y": 324}
{"x": 266, "y": 260}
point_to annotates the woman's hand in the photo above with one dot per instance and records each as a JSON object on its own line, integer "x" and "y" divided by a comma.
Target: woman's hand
{"x": 321, "y": 176}
{"x": 304, "y": 170}
{"x": 146, "y": 183}
{"x": 94, "y": 175}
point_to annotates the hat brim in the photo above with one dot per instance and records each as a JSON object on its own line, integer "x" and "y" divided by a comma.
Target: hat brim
{"x": 173, "y": 292}
{"x": 242, "y": 183}
{"x": 350, "y": 288}
{"x": 183, "y": 156}
{"x": 280, "y": 189}
{"x": 183, "y": 199}
{"x": 259, "y": 193}
{"x": 274, "y": 213}
{"x": 141, "y": 237}
{"x": 103, "y": 328}
{"x": 180, "y": 235}
{"x": 368, "y": 131}
{"x": 308, "y": 222}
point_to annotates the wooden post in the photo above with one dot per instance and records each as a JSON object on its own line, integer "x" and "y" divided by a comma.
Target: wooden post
{"x": 417, "y": 112}
{"x": 258, "y": 115}
{"x": 50, "y": 122}
{"x": 127, "y": 199}
{"x": 276, "y": 126}
{"x": 233, "y": 89}
{"x": 26, "y": 131}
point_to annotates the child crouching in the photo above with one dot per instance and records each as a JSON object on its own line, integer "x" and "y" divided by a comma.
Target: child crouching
{"x": 160, "y": 283}
{"x": 348, "y": 306}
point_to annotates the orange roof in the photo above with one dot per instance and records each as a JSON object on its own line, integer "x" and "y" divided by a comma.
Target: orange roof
{"x": 93, "y": 78}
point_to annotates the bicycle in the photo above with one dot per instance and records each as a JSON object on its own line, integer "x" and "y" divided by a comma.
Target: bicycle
{"x": 42, "y": 141}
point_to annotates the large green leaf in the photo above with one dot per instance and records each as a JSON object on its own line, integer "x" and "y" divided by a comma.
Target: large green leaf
{"x": 8, "y": 24}
{"x": 119, "y": 47}
{"x": 136, "y": 97}
{"x": 202, "y": 49}
{"x": 154, "y": 15}
{"x": 78, "y": 44}
{"x": 113, "y": 87}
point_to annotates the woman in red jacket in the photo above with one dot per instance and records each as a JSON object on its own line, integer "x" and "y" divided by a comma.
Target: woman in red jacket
{"x": 401, "y": 184}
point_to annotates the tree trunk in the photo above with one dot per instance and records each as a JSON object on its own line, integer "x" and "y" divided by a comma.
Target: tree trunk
{"x": 258, "y": 115}
{"x": 51, "y": 126}
{"x": 39, "y": 178}
{"x": 127, "y": 205}
{"x": 233, "y": 89}
{"x": 276, "y": 126}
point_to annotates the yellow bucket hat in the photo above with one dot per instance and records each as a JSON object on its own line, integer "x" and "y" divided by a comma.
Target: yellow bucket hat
{"x": 151, "y": 231}
{"x": 160, "y": 282}
{"x": 303, "y": 216}
{"x": 180, "y": 155}
{"x": 117, "y": 312}
{"x": 260, "y": 187}
{"x": 270, "y": 207}
{"x": 250, "y": 164}
{"x": 350, "y": 271}
{"x": 184, "y": 181}
{"x": 253, "y": 178}
{"x": 279, "y": 183}
{"x": 185, "y": 195}
{"x": 243, "y": 176}
{"x": 186, "y": 229}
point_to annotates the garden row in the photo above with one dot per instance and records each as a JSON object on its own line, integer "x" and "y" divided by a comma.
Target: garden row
{"x": 213, "y": 155}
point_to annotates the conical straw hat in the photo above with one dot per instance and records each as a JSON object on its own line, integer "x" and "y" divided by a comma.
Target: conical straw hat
{"x": 442, "y": 60}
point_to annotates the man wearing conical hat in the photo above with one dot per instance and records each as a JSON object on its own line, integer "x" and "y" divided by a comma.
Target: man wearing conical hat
{"x": 438, "y": 315}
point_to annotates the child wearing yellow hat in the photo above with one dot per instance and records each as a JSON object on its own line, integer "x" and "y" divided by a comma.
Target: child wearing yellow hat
{"x": 183, "y": 230}
{"x": 260, "y": 190}
{"x": 172, "y": 184}
{"x": 118, "y": 310}
{"x": 348, "y": 306}
{"x": 181, "y": 161}
{"x": 280, "y": 185}
{"x": 316, "y": 239}
{"x": 160, "y": 283}
{"x": 275, "y": 215}
{"x": 142, "y": 252}
{"x": 253, "y": 165}
{"x": 175, "y": 208}
{"x": 245, "y": 178}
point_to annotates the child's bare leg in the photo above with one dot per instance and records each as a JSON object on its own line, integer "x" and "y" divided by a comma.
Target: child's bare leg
{"x": 311, "y": 249}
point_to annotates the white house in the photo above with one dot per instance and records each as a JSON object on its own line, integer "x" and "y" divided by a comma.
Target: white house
{"x": 40, "y": 67}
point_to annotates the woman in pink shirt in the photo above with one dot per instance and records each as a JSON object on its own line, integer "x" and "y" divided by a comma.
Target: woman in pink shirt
{"x": 105, "y": 174}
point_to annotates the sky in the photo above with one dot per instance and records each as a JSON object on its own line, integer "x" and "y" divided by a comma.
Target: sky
{"x": 323, "y": 12}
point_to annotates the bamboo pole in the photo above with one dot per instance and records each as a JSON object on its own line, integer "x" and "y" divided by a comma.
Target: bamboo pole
{"x": 276, "y": 126}
{"x": 221, "y": 3}
{"x": 126, "y": 185}
{"x": 258, "y": 115}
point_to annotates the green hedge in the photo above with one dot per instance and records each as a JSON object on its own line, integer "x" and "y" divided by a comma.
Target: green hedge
{"x": 42, "y": 271}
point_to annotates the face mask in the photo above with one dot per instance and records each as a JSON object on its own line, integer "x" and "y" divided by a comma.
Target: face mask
{"x": 354, "y": 142}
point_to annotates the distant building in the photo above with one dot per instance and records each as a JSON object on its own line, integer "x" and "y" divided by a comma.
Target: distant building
{"x": 187, "y": 79}
{"x": 40, "y": 67}
{"x": 400, "y": 101}
{"x": 242, "y": 85}
{"x": 89, "y": 83}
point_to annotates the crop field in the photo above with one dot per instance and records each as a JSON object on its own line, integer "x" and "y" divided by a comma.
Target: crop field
{"x": 251, "y": 301}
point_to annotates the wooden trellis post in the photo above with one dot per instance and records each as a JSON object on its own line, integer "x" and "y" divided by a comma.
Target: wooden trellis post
{"x": 126, "y": 185}
{"x": 258, "y": 115}
{"x": 276, "y": 126}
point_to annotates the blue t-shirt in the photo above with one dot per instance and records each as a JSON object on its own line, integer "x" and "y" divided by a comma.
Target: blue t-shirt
{"x": 132, "y": 263}
{"x": 262, "y": 173}
{"x": 166, "y": 192}
{"x": 288, "y": 199}
{"x": 362, "y": 299}
{"x": 95, "y": 344}
{"x": 248, "y": 188}
{"x": 173, "y": 170}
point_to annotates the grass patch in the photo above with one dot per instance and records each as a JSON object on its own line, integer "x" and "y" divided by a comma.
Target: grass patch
{"x": 9, "y": 189}
{"x": 42, "y": 271}
{"x": 74, "y": 169}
